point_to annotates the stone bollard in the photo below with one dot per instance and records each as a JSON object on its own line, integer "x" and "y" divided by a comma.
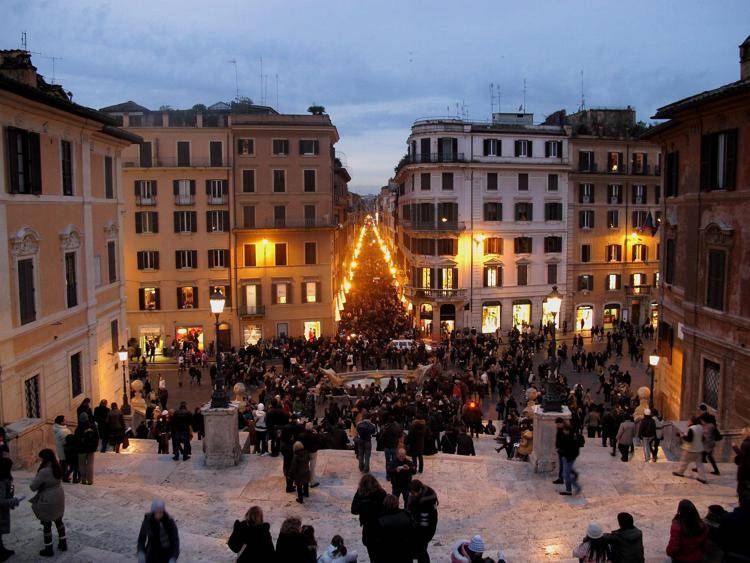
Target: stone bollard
{"x": 221, "y": 443}
{"x": 543, "y": 457}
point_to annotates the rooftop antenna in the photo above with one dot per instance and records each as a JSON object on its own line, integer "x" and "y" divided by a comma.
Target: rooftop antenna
{"x": 492, "y": 98}
{"x": 583, "y": 98}
{"x": 236, "y": 79}
{"x": 498, "y": 97}
{"x": 524, "y": 95}
{"x": 261, "y": 81}
{"x": 24, "y": 41}
{"x": 277, "y": 91}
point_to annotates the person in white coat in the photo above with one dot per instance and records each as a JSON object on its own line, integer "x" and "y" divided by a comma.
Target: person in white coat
{"x": 60, "y": 431}
{"x": 337, "y": 552}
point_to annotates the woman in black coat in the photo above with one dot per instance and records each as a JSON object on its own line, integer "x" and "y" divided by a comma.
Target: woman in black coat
{"x": 158, "y": 525}
{"x": 291, "y": 545}
{"x": 251, "y": 538}
{"x": 423, "y": 503}
{"x": 368, "y": 505}
{"x": 394, "y": 534}
{"x": 7, "y": 503}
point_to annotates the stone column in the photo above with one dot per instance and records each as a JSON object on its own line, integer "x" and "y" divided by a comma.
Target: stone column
{"x": 544, "y": 455}
{"x": 221, "y": 444}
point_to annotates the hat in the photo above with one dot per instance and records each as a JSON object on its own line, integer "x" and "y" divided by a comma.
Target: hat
{"x": 157, "y": 504}
{"x": 83, "y": 417}
{"x": 594, "y": 531}
{"x": 261, "y": 406}
{"x": 647, "y": 412}
{"x": 476, "y": 545}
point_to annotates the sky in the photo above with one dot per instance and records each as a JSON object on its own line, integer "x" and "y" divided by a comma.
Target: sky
{"x": 379, "y": 65}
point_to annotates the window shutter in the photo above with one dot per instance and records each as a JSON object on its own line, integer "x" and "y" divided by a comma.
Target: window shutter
{"x": 530, "y": 148}
{"x": 138, "y": 223}
{"x": 289, "y": 298}
{"x": 547, "y": 148}
{"x": 137, "y": 186}
{"x": 155, "y": 221}
{"x": 194, "y": 221}
{"x": 11, "y": 142}
{"x": 176, "y": 216}
{"x": 139, "y": 259}
{"x": 318, "y": 292}
{"x": 195, "y": 297}
{"x": 454, "y": 146}
{"x": 301, "y": 147}
{"x": 141, "y": 299}
{"x": 154, "y": 185}
{"x": 179, "y": 298}
{"x": 485, "y": 276}
{"x": 224, "y": 187}
{"x": 156, "y": 260}
{"x": 194, "y": 258}
{"x": 208, "y": 187}
{"x": 192, "y": 187}
{"x": 518, "y": 148}
{"x": 580, "y": 193}
{"x": 209, "y": 228}
{"x": 633, "y": 194}
{"x": 486, "y": 144}
{"x": 316, "y": 146}
{"x": 730, "y": 164}
{"x": 258, "y": 295}
{"x": 645, "y": 162}
{"x": 454, "y": 285}
{"x": 157, "y": 299}
{"x": 645, "y": 195}
{"x": 225, "y": 221}
{"x": 176, "y": 186}
{"x": 620, "y": 163}
{"x": 559, "y": 149}
{"x": 303, "y": 293}
{"x": 581, "y": 218}
{"x": 274, "y": 294}
{"x": 210, "y": 258}
{"x": 35, "y": 163}
{"x": 439, "y": 279}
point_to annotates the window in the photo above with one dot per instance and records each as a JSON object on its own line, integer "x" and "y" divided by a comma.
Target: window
{"x": 216, "y": 150}
{"x": 447, "y": 149}
{"x": 551, "y": 274}
{"x": 187, "y": 297}
{"x": 492, "y": 147}
{"x": 612, "y": 282}
{"x": 553, "y": 211}
{"x": 424, "y": 181}
{"x": 148, "y": 259}
{"x": 672, "y": 174}
{"x": 248, "y": 181}
{"x": 522, "y": 245}
{"x": 114, "y": 335}
{"x": 670, "y": 258}
{"x": 186, "y": 259}
{"x": 311, "y": 292}
{"x": 218, "y": 258}
{"x": 146, "y": 222}
{"x": 524, "y": 148}
{"x": 248, "y": 216}
{"x": 614, "y": 252}
{"x": 279, "y": 181}
{"x": 217, "y": 191}
{"x": 657, "y": 194}
{"x": 639, "y": 195}
{"x": 245, "y": 147}
{"x": 279, "y": 216}
{"x": 425, "y": 277}
{"x": 615, "y": 163}
{"x": 447, "y": 247}
{"x": 249, "y": 252}
{"x": 281, "y": 147}
{"x": 311, "y": 253}
{"x": 553, "y": 149}
{"x": 493, "y": 245}
{"x": 280, "y": 253}
{"x": 585, "y": 193}
{"x": 585, "y": 253}
{"x": 586, "y": 219}
{"x": 447, "y": 278}
{"x": 183, "y": 153}
{"x": 552, "y": 244}
{"x": 112, "y": 261}
{"x": 552, "y": 182}
{"x": 309, "y": 180}
{"x": 711, "y": 383}
{"x": 524, "y": 211}
{"x": 639, "y": 163}
{"x": 71, "y": 280}
{"x": 109, "y": 178}
{"x": 309, "y": 147}
{"x": 76, "y": 375}
{"x": 522, "y": 274}
{"x": 33, "y": 397}
{"x": 523, "y": 182}
{"x": 586, "y": 161}
{"x": 423, "y": 246}
{"x": 493, "y": 211}
{"x": 716, "y": 278}
{"x": 719, "y": 161}
{"x": 492, "y": 181}
{"x": 613, "y": 219}
{"x": 447, "y": 180}
{"x": 217, "y": 221}
{"x": 638, "y": 280}
{"x": 309, "y": 211}
{"x": 184, "y": 192}
{"x": 448, "y": 213}
{"x": 144, "y": 152}
{"x": 639, "y": 219}
{"x": 185, "y": 221}
{"x": 145, "y": 192}
{"x": 26, "y": 290}
{"x": 614, "y": 193}
{"x": 281, "y": 293}
{"x": 586, "y": 282}
{"x": 493, "y": 276}
{"x": 639, "y": 253}
{"x": 66, "y": 166}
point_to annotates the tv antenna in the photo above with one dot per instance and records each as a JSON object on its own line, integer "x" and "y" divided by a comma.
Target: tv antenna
{"x": 236, "y": 79}
{"x": 524, "y": 96}
{"x": 583, "y": 97}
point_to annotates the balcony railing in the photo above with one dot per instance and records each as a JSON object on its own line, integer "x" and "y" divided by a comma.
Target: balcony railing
{"x": 434, "y": 225}
{"x": 252, "y": 310}
{"x": 218, "y": 200}
{"x": 437, "y": 157}
{"x": 437, "y": 294}
{"x": 184, "y": 199}
{"x": 638, "y": 290}
{"x": 174, "y": 162}
{"x": 640, "y": 170}
{"x": 145, "y": 201}
{"x": 272, "y": 223}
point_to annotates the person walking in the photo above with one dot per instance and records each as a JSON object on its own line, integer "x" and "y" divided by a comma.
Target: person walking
{"x": 415, "y": 441}
{"x": 261, "y": 430}
{"x": 48, "y": 504}
{"x": 87, "y": 442}
{"x": 159, "y": 538}
{"x": 692, "y": 450}
{"x": 251, "y": 538}
{"x": 422, "y": 506}
{"x": 60, "y": 431}
{"x": 365, "y": 431}
{"x": 626, "y": 543}
{"x": 7, "y": 503}
{"x": 368, "y": 504}
{"x": 101, "y": 416}
{"x": 624, "y": 438}
{"x": 710, "y": 435}
{"x": 400, "y": 473}
{"x": 180, "y": 422}
{"x": 337, "y": 552}
{"x": 569, "y": 449}
{"x": 688, "y": 535}
{"x": 311, "y": 440}
{"x": 391, "y": 433}
{"x": 658, "y": 436}
{"x": 115, "y": 428}
{"x": 299, "y": 471}
{"x": 647, "y": 434}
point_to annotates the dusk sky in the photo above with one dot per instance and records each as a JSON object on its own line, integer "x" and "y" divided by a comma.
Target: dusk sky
{"x": 378, "y": 66}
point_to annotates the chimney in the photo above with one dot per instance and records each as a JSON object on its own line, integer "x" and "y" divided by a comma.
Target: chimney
{"x": 745, "y": 59}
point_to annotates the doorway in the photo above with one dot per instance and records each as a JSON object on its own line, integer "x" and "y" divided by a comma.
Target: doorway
{"x": 282, "y": 330}
{"x": 224, "y": 337}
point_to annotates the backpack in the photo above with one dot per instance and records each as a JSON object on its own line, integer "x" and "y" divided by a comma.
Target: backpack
{"x": 89, "y": 440}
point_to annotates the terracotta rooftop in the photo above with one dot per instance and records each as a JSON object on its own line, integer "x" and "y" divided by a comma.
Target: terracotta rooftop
{"x": 728, "y": 90}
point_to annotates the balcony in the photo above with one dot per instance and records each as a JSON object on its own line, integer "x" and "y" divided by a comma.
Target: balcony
{"x": 436, "y": 294}
{"x": 145, "y": 201}
{"x": 184, "y": 199}
{"x": 218, "y": 200}
{"x": 636, "y": 290}
{"x": 173, "y": 162}
{"x": 437, "y": 157}
{"x": 589, "y": 167}
{"x": 271, "y": 223}
{"x": 248, "y": 311}
{"x": 434, "y": 226}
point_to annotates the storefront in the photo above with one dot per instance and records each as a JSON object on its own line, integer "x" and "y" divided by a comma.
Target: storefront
{"x": 521, "y": 313}
{"x": 611, "y": 315}
{"x": 447, "y": 318}
{"x": 311, "y": 329}
{"x": 653, "y": 314}
{"x": 492, "y": 313}
{"x": 151, "y": 334}
{"x": 190, "y": 334}
{"x": 252, "y": 333}
{"x": 426, "y": 316}
{"x": 584, "y": 317}
{"x": 550, "y": 316}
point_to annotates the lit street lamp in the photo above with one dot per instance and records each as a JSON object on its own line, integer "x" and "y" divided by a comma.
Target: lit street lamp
{"x": 554, "y": 301}
{"x": 653, "y": 362}
{"x": 220, "y": 397}
{"x": 122, "y": 355}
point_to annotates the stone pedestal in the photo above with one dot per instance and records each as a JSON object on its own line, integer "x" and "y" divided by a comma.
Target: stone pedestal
{"x": 221, "y": 444}
{"x": 544, "y": 455}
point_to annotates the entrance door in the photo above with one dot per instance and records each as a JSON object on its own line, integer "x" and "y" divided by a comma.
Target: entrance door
{"x": 224, "y": 340}
{"x": 635, "y": 313}
{"x": 282, "y": 329}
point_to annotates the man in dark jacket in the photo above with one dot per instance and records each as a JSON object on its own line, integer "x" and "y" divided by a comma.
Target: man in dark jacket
{"x": 101, "y": 415}
{"x": 181, "y": 421}
{"x": 392, "y": 432}
{"x": 558, "y": 433}
{"x": 464, "y": 443}
{"x": 422, "y": 506}
{"x": 276, "y": 419}
{"x": 569, "y": 449}
{"x": 159, "y": 540}
{"x": 365, "y": 431}
{"x": 626, "y": 542}
{"x": 647, "y": 433}
{"x": 416, "y": 440}
{"x": 394, "y": 532}
{"x": 400, "y": 473}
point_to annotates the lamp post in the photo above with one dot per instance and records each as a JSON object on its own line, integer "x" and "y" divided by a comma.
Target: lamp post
{"x": 554, "y": 301}
{"x": 653, "y": 362}
{"x": 220, "y": 397}
{"x": 122, "y": 355}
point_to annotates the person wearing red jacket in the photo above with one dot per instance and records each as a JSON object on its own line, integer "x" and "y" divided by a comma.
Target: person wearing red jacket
{"x": 688, "y": 535}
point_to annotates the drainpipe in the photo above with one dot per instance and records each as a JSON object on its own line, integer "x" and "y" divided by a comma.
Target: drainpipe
{"x": 471, "y": 223}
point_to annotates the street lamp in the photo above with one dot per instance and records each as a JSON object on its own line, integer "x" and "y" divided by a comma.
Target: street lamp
{"x": 220, "y": 397}
{"x": 122, "y": 355}
{"x": 554, "y": 301}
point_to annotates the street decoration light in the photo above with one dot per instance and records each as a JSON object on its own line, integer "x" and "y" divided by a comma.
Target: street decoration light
{"x": 122, "y": 355}
{"x": 220, "y": 397}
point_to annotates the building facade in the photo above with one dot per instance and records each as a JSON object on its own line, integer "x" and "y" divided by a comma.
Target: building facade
{"x": 482, "y": 221}
{"x": 704, "y": 333}
{"x": 63, "y": 305}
